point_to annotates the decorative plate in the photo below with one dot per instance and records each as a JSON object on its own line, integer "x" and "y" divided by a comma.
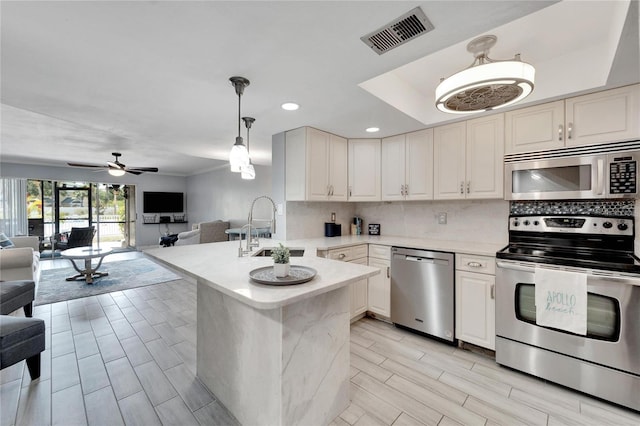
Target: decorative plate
{"x": 297, "y": 275}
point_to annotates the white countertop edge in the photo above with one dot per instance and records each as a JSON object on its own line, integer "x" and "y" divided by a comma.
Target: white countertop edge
{"x": 230, "y": 275}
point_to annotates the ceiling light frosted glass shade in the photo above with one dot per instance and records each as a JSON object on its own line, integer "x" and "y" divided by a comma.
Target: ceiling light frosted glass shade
{"x": 116, "y": 172}
{"x": 239, "y": 156}
{"x": 372, "y": 129}
{"x": 485, "y": 87}
{"x": 248, "y": 172}
{"x": 290, "y": 106}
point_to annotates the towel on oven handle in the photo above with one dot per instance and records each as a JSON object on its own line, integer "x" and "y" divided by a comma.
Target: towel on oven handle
{"x": 561, "y": 300}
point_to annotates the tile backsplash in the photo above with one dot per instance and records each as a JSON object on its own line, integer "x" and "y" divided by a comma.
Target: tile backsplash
{"x": 477, "y": 220}
{"x": 613, "y": 208}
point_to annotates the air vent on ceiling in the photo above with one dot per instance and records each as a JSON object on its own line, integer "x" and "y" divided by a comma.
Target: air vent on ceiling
{"x": 399, "y": 31}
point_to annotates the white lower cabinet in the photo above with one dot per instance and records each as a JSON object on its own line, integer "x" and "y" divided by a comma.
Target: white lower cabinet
{"x": 379, "y": 287}
{"x": 358, "y": 290}
{"x": 475, "y": 300}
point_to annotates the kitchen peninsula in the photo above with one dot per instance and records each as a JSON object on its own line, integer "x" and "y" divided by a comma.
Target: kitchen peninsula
{"x": 275, "y": 355}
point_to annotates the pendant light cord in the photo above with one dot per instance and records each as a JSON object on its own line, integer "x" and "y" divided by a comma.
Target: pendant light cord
{"x": 239, "y": 101}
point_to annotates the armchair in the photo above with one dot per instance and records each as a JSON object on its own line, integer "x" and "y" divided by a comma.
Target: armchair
{"x": 22, "y": 261}
{"x": 204, "y": 232}
{"x": 78, "y": 237}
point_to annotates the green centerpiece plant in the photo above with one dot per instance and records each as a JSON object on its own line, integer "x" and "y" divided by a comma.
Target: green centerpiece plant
{"x": 280, "y": 257}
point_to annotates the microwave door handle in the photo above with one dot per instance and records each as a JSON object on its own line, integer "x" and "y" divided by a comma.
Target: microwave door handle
{"x": 600, "y": 176}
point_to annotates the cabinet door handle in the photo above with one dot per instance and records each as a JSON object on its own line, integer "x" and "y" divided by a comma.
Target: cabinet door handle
{"x": 328, "y": 190}
{"x": 401, "y": 189}
{"x": 462, "y": 187}
{"x": 349, "y": 191}
{"x": 569, "y": 130}
{"x": 342, "y": 256}
{"x": 468, "y": 186}
{"x": 406, "y": 190}
{"x": 331, "y": 190}
{"x": 388, "y": 272}
{"x": 493, "y": 291}
{"x": 474, "y": 264}
{"x": 560, "y": 132}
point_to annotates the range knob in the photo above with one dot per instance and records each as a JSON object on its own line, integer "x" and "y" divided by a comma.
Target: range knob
{"x": 526, "y": 223}
{"x": 623, "y": 226}
{"x": 516, "y": 223}
{"x": 607, "y": 225}
{"x": 536, "y": 223}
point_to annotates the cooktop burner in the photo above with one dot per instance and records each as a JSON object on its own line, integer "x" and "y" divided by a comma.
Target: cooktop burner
{"x": 586, "y": 242}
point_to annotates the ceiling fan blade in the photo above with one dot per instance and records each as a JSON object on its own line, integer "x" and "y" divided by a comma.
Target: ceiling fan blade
{"x": 116, "y": 165}
{"x": 142, "y": 169}
{"x": 133, "y": 172}
{"x": 86, "y": 165}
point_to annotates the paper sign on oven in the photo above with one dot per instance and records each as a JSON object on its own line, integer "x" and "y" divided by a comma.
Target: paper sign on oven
{"x": 561, "y": 300}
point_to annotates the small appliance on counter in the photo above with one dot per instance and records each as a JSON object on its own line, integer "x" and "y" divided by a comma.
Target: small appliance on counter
{"x": 332, "y": 229}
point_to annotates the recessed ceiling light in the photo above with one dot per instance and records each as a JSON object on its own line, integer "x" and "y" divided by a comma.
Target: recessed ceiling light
{"x": 372, "y": 129}
{"x": 290, "y": 106}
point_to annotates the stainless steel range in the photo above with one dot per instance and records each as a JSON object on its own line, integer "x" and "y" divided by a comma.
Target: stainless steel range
{"x": 605, "y": 361}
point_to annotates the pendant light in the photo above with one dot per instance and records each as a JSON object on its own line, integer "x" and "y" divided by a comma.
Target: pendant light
{"x": 248, "y": 172}
{"x": 487, "y": 84}
{"x": 238, "y": 157}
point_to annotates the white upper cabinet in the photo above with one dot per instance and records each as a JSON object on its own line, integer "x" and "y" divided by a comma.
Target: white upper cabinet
{"x": 364, "y": 170}
{"x": 610, "y": 116}
{"x": 603, "y": 117}
{"x": 449, "y": 174}
{"x": 316, "y": 166}
{"x": 468, "y": 159}
{"x": 535, "y": 128}
{"x": 407, "y": 166}
{"x": 484, "y": 157}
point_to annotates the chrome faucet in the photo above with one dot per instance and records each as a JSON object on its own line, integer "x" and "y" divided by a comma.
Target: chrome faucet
{"x": 251, "y": 241}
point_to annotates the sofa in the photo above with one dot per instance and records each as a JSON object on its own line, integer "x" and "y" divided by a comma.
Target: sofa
{"x": 204, "y": 232}
{"x": 21, "y": 262}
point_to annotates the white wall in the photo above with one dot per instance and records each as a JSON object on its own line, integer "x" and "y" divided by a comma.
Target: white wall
{"x": 146, "y": 235}
{"x": 221, "y": 194}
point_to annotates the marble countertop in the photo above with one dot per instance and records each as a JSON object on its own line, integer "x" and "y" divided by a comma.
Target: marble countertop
{"x": 467, "y": 247}
{"x": 218, "y": 265}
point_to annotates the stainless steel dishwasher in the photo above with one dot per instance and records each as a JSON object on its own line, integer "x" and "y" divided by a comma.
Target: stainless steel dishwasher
{"x": 422, "y": 291}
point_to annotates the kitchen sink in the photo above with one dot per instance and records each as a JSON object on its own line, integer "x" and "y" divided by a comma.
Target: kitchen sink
{"x": 266, "y": 252}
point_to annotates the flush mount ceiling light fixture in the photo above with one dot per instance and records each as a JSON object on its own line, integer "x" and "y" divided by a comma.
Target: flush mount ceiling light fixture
{"x": 487, "y": 84}
{"x": 248, "y": 172}
{"x": 372, "y": 129}
{"x": 239, "y": 156}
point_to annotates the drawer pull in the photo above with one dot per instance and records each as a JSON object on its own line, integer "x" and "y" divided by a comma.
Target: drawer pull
{"x": 474, "y": 264}
{"x": 388, "y": 272}
{"x": 493, "y": 291}
{"x": 342, "y": 256}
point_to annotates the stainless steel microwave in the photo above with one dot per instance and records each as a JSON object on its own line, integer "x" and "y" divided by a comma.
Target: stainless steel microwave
{"x": 586, "y": 176}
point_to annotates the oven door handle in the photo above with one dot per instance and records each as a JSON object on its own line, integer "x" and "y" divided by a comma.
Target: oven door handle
{"x": 531, "y": 267}
{"x": 514, "y": 266}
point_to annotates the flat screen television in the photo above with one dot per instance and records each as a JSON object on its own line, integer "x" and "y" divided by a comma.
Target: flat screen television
{"x": 163, "y": 202}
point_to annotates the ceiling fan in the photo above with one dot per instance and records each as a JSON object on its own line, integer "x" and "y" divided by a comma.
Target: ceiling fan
{"x": 116, "y": 168}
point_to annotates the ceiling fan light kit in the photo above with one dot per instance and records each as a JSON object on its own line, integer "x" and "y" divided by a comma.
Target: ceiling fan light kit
{"x": 239, "y": 156}
{"x": 487, "y": 84}
{"x": 116, "y": 172}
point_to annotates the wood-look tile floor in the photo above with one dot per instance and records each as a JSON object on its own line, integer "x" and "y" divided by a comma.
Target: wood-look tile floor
{"x": 129, "y": 358}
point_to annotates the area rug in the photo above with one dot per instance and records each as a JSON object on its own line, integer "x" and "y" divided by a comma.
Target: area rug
{"x": 123, "y": 274}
